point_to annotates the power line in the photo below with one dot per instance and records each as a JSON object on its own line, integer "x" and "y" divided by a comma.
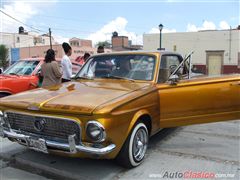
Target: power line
{"x": 21, "y": 22}
{"x": 86, "y": 21}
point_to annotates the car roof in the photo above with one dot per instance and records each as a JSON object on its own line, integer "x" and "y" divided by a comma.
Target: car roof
{"x": 37, "y": 59}
{"x": 137, "y": 52}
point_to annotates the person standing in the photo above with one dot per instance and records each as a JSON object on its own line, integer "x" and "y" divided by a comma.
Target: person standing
{"x": 100, "y": 49}
{"x": 85, "y": 57}
{"x": 66, "y": 63}
{"x": 50, "y": 70}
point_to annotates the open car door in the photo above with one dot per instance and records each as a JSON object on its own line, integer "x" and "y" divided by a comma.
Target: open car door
{"x": 186, "y": 100}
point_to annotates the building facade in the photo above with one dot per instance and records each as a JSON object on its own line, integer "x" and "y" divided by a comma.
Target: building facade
{"x": 30, "y": 39}
{"x": 79, "y": 47}
{"x": 16, "y": 41}
{"x": 121, "y": 43}
{"x": 215, "y": 52}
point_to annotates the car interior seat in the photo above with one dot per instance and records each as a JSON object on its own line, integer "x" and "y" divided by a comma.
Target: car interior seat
{"x": 164, "y": 74}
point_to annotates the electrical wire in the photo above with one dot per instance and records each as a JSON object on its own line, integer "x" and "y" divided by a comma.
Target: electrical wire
{"x": 21, "y": 22}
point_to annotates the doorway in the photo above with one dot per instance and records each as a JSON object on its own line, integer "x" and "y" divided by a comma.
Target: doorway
{"x": 214, "y": 62}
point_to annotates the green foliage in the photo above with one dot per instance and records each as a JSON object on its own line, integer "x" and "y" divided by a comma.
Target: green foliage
{"x": 3, "y": 56}
{"x": 105, "y": 44}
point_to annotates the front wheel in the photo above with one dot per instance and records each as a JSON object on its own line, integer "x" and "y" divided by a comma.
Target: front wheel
{"x": 3, "y": 95}
{"x": 134, "y": 149}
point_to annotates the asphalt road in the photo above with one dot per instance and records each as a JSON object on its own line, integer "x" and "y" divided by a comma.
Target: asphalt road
{"x": 191, "y": 151}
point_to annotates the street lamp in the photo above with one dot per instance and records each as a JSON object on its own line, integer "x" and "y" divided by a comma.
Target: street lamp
{"x": 160, "y": 29}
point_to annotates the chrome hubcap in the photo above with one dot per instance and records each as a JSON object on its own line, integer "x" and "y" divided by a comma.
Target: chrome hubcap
{"x": 140, "y": 144}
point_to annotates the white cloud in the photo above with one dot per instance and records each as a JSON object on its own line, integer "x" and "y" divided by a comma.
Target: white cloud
{"x": 119, "y": 24}
{"x": 224, "y": 25}
{"x": 192, "y": 28}
{"x": 164, "y": 30}
{"x": 207, "y": 25}
{"x": 60, "y": 39}
{"x": 22, "y": 11}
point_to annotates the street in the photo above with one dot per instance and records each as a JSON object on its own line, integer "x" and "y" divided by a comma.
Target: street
{"x": 208, "y": 148}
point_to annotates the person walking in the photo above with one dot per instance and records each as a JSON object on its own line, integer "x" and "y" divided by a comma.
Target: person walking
{"x": 50, "y": 70}
{"x": 66, "y": 63}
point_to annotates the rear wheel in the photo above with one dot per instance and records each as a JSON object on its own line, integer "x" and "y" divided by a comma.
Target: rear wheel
{"x": 134, "y": 149}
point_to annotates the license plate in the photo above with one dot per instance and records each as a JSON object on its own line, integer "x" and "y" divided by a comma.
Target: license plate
{"x": 37, "y": 144}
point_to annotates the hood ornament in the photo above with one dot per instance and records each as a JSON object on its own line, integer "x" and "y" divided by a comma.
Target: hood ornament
{"x": 39, "y": 124}
{"x": 33, "y": 107}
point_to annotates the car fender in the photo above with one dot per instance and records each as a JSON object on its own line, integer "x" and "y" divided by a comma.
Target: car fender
{"x": 136, "y": 117}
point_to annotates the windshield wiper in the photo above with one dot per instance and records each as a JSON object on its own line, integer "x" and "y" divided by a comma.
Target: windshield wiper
{"x": 83, "y": 77}
{"x": 13, "y": 74}
{"x": 117, "y": 77}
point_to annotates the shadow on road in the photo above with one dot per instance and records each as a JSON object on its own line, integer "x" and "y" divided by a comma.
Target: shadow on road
{"x": 54, "y": 166}
{"x": 162, "y": 135}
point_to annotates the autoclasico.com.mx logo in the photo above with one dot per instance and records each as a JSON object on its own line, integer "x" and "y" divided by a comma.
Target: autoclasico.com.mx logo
{"x": 191, "y": 175}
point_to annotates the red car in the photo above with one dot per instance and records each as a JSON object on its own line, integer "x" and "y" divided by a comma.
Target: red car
{"x": 23, "y": 75}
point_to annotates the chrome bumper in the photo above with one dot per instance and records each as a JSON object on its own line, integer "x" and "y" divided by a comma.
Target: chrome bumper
{"x": 71, "y": 146}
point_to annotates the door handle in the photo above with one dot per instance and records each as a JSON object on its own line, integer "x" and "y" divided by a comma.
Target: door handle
{"x": 235, "y": 84}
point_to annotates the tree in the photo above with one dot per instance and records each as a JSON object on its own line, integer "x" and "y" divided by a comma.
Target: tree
{"x": 3, "y": 56}
{"x": 104, "y": 44}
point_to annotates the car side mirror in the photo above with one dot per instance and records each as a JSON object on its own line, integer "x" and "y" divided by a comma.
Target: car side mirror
{"x": 173, "y": 79}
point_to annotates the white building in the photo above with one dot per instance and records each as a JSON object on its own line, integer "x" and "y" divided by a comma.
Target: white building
{"x": 15, "y": 41}
{"x": 215, "y": 52}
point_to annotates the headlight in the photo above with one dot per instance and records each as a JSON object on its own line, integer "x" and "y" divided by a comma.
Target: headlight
{"x": 95, "y": 131}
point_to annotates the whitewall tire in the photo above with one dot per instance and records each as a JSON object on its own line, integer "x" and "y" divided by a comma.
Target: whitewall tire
{"x": 134, "y": 148}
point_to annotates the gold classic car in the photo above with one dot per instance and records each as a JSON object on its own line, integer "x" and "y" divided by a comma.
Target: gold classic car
{"x": 115, "y": 103}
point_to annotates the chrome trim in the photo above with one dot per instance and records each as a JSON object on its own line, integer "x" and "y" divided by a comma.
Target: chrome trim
{"x": 1, "y": 113}
{"x": 47, "y": 116}
{"x": 100, "y": 126}
{"x": 70, "y": 146}
{"x": 1, "y": 118}
{"x": 64, "y": 146}
{"x": 182, "y": 63}
{"x": 8, "y": 92}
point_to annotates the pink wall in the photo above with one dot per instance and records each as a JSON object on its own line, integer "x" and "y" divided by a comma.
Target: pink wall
{"x": 40, "y": 51}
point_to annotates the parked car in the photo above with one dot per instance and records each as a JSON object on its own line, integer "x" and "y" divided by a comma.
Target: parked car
{"x": 23, "y": 75}
{"x": 116, "y": 102}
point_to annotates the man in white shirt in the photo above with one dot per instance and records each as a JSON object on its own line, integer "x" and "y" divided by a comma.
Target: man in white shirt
{"x": 66, "y": 63}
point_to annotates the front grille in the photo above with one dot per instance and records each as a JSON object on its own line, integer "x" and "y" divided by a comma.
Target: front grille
{"x": 54, "y": 128}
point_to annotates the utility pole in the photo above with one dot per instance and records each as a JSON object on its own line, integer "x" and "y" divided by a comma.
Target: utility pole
{"x": 50, "y": 35}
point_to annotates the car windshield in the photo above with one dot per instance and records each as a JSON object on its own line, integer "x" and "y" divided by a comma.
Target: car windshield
{"x": 134, "y": 67}
{"x": 22, "y": 68}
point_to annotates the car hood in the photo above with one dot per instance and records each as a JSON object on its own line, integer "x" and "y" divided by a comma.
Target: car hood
{"x": 5, "y": 77}
{"x": 79, "y": 97}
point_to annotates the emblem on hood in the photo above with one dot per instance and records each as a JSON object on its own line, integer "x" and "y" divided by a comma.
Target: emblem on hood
{"x": 33, "y": 107}
{"x": 39, "y": 124}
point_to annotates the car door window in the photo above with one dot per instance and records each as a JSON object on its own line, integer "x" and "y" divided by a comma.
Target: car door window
{"x": 167, "y": 66}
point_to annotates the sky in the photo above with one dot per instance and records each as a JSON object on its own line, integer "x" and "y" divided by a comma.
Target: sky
{"x": 97, "y": 19}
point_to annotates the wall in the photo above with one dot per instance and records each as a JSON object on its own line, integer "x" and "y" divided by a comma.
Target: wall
{"x": 40, "y": 51}
{"x": 200, "y": 42}
{"x": 119, "y": 42}
{"x": 15, "y": 40}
